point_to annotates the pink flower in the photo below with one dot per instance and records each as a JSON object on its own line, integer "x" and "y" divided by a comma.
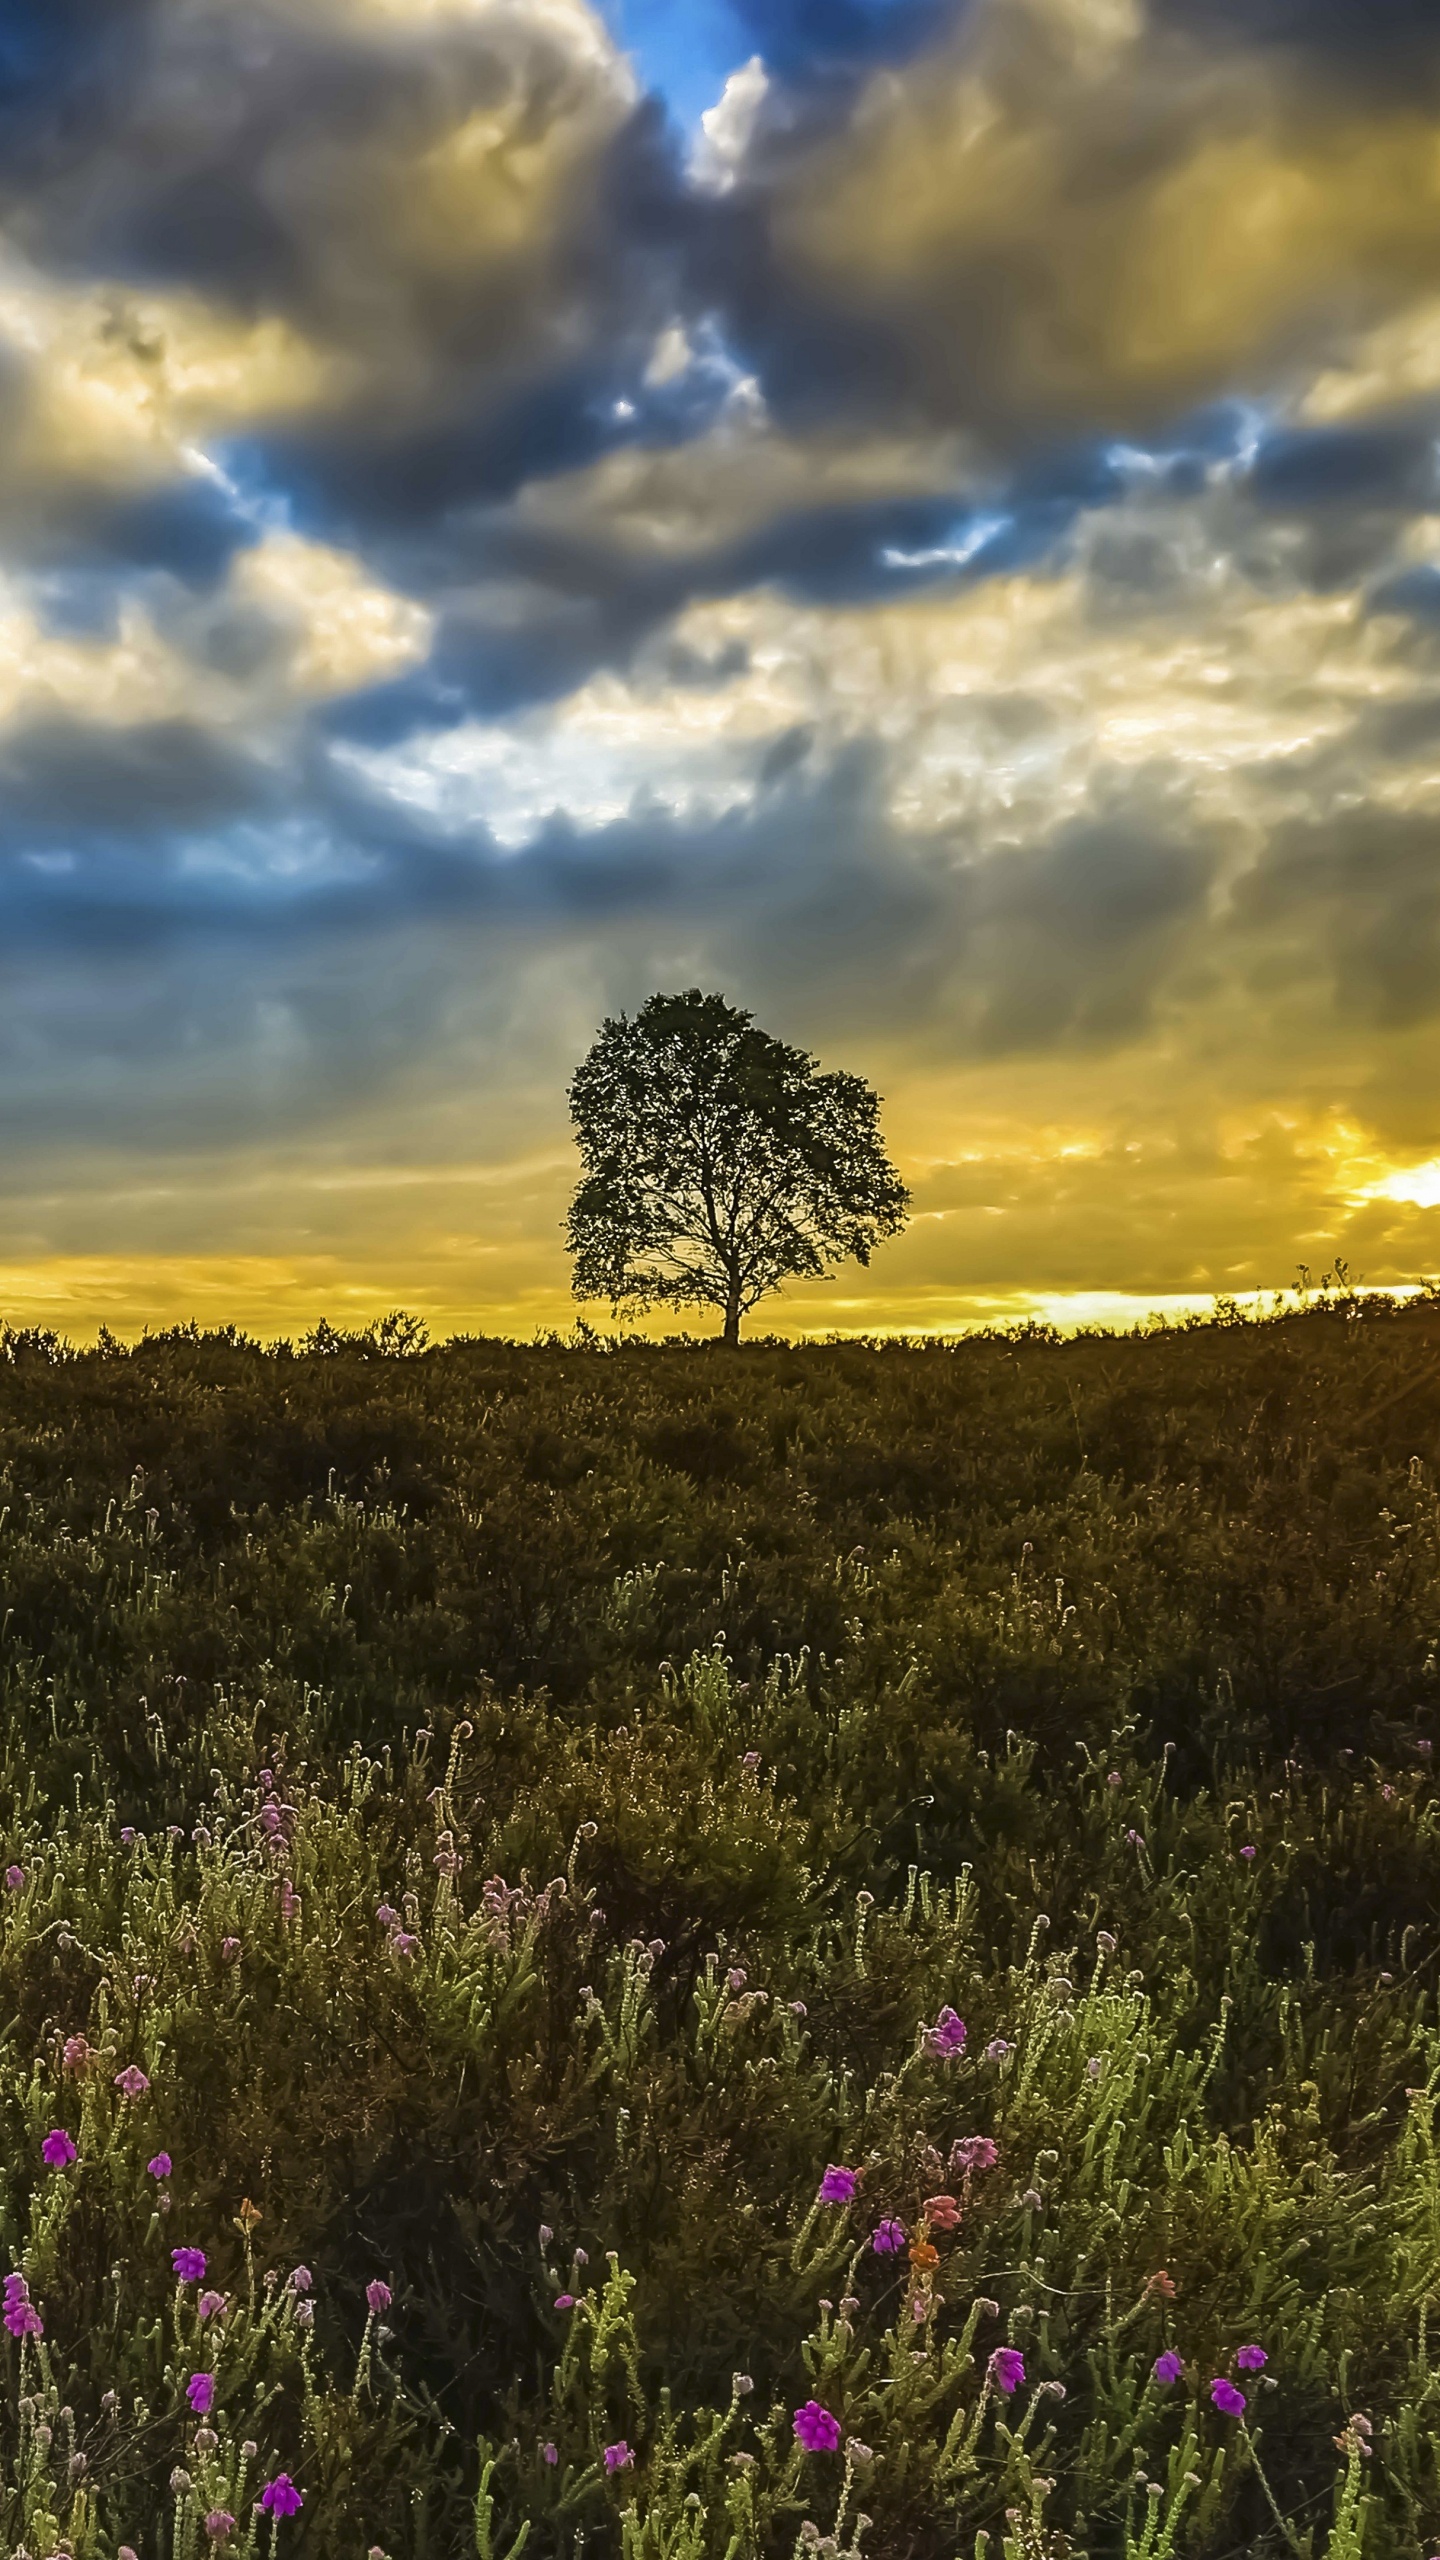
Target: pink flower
{"x": 219, "y": 2524}
{"x": 564, "y": 2301}
{"x": 189, "y": 2264}
{"x": 1168, "y": 2368}
{"x": 78, "y": 2053}
{"x": 280, "y": 2497}
{"x": 816, "y": 2429}
{"x": 1225, "y": 2397}
{"x": 549, "y": 2453}
{"x": 229, "y": 1949}
{"x": 977, "y": 2151}
{"x": 947, "y": 2036}
{"x": 209, "y": 2304}
{"x": 942, "y": 2212}
{"x": 23, "y": 2320}
{"x": 618, "y": 2457}
{"x": 1249, "y": 1850}
{"x": 200, "y": 2392}
{"x": 1007, "y": 2369}
{"x": 57, "y": 2150}
{"x": 1252, "y": 2359}
{"x": 888, "y": 2238}
{"x": 301, "y": 2280}
{"x": 378, "y": 2295}
{"x": 131, "y": 2082}
{"x": 14, "y": 1879}
{"x": 159, "y": 2167}
{"x": 838, "y": 2185}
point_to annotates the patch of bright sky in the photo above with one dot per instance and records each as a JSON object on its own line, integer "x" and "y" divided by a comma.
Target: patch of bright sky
{"x": 686, "y": 49}
{"x": 515, "y": 785}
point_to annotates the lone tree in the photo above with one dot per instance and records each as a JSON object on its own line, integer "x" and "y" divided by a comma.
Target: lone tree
{"x": 719, "y": 1163}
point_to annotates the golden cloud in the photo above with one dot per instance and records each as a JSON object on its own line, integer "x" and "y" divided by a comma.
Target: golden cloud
{"x": 1077, "y": 218}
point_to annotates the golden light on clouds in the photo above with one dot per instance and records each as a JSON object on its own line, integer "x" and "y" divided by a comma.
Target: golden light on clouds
{"x": 944, "y": 547}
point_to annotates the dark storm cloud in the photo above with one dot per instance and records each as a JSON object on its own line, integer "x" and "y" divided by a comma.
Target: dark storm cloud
{"x": 1360, "y": 892}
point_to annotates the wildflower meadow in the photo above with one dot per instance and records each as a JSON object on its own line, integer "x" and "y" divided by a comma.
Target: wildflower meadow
{"x": 665, "y": 1954}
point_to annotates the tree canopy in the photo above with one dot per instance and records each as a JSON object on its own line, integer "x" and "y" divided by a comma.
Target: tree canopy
{"x": 719, "y": 1162}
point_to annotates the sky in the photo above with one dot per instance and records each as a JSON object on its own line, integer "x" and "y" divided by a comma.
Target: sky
{"x": 920, "y": 515}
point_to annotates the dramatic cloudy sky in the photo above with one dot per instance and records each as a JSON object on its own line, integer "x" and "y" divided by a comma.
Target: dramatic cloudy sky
{"x": 921, "y": 514}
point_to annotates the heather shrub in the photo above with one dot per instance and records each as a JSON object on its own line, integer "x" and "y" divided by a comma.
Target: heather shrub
{"x": 695, "y": 1959}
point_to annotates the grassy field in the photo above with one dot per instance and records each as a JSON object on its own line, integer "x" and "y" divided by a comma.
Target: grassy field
{"x": 687, "y": 1956}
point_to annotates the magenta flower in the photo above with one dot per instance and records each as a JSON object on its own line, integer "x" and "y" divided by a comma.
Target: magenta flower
{"x": 1168, "y": 2368}
{"x": 816, "y": 2429}
{"x": 1225, "y": 2397}
{"x": 1007, "y": 2369}
{"x": 280, "y": 2497}
{"x": 219, "y": 2524}
{"x": 1251, "y": 2359}
{"x": 378, "y": 2295}
{"x": 209, "y": 2304}
{"x": 947, "y": 2036}
{"x": 618, "y": 2457}
{"x": 57, "y": 2150}
{"x": 21, "y": 2317}
{"x": 200, "y": 2392}
{"x": 838, "y": 2185}
{"x": 160, "y": 2166}
{"x": 564, "y": 2301}
{"x": 131, "y": 2082}
{"x": 301, "y": 2280}
{"x": 977, "y": 2151}
{"x": 14, "y": 1879}
{"x": 1249, "y": 1850}
{"x": 189, "y": 2264}
{"x": 549, "y": 2453}
{"x": 888, "y": 2238}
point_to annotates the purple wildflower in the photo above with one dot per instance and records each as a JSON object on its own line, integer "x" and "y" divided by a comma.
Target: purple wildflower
{"x": 57, "y": 2150}
{"x": 378, "y": 2295}
{"x": 209, "y": 2304}
{"x": 977, "y": 2151}
{"x": 301, "y": 2280}
{"x": 815, "y": 2427}
{"x": 888, "y": 2237}
{"x": 838, "y": 2185}
{"x": 1252, "y": 2359}
{"x": 23, "y": 2320}
{"x": 200, "y": 2392}
{"x": 1007, "y": 2369}
{"x": 14, "y": 1879}
{"x": 618, "y": 2457}
{"x": 189, "y": 2264}
{"x": 947, "y": 2036}
{"x": 549, "y": 2453}
{"x": 219, "y": 2524}
{"x": 131, "y": 2082}
{"x": 1225, "y": 2397}
{"x": 160, "y": 2166}
{"x": 1249, "y": 1850}
{"x": 280, "y": 2497}
{"x": 1168, "y": 2368}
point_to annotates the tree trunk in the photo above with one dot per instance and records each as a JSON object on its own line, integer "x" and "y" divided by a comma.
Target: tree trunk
{"x": 731, "y": 1335}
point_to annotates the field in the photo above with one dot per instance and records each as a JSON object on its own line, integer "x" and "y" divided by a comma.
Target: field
{"x": 683, "y": 1955}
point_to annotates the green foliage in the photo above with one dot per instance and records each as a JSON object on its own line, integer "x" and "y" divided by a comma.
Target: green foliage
{"x": 719, "y": 1163}
{"x": 523, "y": 1815}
